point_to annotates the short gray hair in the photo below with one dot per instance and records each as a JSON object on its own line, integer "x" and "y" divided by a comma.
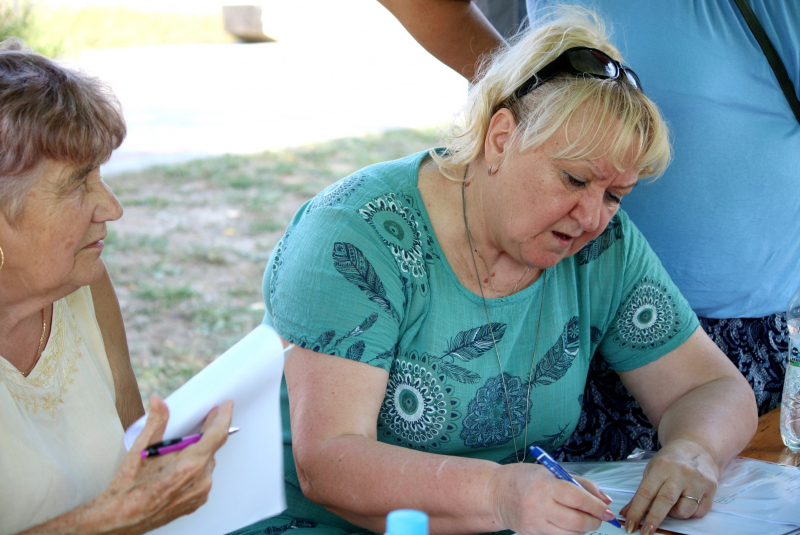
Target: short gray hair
{"x": 48, "y": 111}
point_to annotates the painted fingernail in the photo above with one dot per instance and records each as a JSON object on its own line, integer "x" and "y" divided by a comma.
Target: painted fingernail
{"x": 608, "y": 498}
{"x": 608, "y": 514}
{"x": 630, "y": 526}
{"x": 649, "y": 529}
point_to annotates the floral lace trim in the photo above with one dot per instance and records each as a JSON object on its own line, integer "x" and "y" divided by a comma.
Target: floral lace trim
{"x": 44, "y": 388}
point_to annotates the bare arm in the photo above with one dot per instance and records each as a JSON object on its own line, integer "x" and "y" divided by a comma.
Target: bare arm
{"x": 704, "y": 419}
{"x": 109, "y": 317}
{"x": 148, "y": 493}
{"x": 453, "y": 31}
{"x": 334, "y": 405}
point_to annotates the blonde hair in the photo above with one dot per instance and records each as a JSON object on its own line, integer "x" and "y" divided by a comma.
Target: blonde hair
{"x": 49, "y": 112}
{"x": 616, "y": 115}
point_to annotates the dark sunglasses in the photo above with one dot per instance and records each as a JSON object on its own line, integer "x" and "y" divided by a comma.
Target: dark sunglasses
{"x": 580, "y": 60}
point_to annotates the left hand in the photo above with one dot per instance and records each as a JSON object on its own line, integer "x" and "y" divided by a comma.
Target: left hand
{"x": 682, "y": 468}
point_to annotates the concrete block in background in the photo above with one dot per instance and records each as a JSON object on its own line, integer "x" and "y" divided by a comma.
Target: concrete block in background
{"x": 245, "y": 23}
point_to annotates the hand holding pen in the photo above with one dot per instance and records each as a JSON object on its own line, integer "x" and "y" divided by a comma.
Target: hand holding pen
{"x": 175, "y": 444}
{"x": 548, "y": 462}
{"x": 147, "y": 493}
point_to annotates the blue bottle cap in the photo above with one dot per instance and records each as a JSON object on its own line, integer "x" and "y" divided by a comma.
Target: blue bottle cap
{"x": 407, "y": 522}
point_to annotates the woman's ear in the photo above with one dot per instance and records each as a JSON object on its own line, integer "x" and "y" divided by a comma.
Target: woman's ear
{"x": 499, "y": 135}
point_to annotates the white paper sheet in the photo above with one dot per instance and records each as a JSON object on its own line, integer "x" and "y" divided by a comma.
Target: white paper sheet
{"x": 753, "y": 496}
{"x": 248, "y": 478}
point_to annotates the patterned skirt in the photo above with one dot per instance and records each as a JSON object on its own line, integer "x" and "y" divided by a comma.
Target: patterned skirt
{"x": 613, "y": 424}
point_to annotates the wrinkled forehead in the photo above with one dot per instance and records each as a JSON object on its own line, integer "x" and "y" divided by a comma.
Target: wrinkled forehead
{"x": 58, "y": 173}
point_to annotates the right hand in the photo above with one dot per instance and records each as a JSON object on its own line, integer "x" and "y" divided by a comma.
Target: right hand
{"x": 532, "y": 501}
{"x": 148, "y": 493}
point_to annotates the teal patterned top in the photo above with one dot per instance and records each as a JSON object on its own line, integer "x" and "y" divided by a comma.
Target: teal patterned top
{"x": 360, "y": 274}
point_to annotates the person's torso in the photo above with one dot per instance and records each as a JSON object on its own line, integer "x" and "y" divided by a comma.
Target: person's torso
{"x": 725, "y": 218}
{"x": 360, "y": 274}
{"x": 60, "y": 435}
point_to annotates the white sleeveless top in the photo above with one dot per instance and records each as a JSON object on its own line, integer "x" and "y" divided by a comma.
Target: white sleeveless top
{"x": 61, "y": 440}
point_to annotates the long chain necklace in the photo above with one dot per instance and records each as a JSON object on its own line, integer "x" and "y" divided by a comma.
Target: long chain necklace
{"x": 38, "y": 349}
{"x": 491, "y": 330}
{"x": 489, "y": 278}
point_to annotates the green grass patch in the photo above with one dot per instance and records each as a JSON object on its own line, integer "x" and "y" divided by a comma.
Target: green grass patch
{"x": 166, "y": 294}
{"x": 137, "y": 242}
{"x": 189, "y": 277}
{"x": 152, "y": 201}
{"x": 117, "y": 26}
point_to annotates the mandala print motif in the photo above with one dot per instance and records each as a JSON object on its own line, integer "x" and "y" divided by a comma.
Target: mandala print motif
{"x": 592, "y": 250}
{"x": 647, "y": 318}
{"x": 280, "y": 249}
{"x": 417, "y": 411}
{"x": 398, "y": 228}
{"x": 336, "y": 193}
{"x": 487, "y": 420}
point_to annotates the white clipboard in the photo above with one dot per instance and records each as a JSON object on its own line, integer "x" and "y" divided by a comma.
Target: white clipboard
{"x": 248, "y": 480}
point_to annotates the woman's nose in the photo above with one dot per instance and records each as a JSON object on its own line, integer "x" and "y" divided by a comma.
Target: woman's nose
{"x": 587, "y": 211}
{"x": 108, "y": 206}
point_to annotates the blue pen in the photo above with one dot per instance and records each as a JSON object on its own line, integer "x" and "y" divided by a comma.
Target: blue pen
{"x": 555, "y": 469}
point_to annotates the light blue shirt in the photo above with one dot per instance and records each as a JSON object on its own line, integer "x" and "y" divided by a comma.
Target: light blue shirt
{"x": 725, "y": 218}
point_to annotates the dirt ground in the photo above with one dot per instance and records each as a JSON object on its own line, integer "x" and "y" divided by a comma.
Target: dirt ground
{"x": 188, "y": 256}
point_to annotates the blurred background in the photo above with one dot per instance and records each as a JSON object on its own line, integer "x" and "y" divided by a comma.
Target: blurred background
{"x": 226, "y": 139}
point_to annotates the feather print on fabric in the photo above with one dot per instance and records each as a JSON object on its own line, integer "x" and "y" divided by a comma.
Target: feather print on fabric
{"x": 596, "y": 334}
{"x": 354, "y": 266}
{"x": 466, "y": 346}
{"x": 360, "y": 329}
{"x": 460, "y": 374}
{"x": 592, "y": 250}
{"x": 558, "y": 360}
{"x": 323, "y": 340}
{"x": 472, "y": 343}
{"x": 355, "y": 351}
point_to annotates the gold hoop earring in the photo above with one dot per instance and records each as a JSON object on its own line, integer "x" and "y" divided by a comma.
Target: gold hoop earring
{"x": 2, "y": 259}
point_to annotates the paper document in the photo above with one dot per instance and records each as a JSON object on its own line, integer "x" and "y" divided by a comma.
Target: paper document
{"x": 753, "y": 496}
{"x": 248, "y": 477}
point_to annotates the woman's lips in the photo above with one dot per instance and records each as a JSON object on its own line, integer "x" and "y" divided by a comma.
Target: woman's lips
{"x": 564, "y": 240}
{"x": 95, "y": 245}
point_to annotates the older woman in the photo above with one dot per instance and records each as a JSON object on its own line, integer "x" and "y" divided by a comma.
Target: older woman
{"x": 67, "y": 389}
{"x": 447, "y": 306}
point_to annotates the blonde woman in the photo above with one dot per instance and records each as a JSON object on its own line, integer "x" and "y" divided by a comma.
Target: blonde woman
{"x": 446, "y": 307}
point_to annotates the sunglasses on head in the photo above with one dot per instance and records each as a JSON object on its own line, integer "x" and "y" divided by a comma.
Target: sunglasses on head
{"x": 580, "y": 60}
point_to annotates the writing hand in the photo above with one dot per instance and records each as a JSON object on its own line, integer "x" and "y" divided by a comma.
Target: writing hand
{"x": 532, "y": 501}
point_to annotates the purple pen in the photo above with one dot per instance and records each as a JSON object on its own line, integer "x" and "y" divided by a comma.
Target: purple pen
{"x": 175, "y": 444}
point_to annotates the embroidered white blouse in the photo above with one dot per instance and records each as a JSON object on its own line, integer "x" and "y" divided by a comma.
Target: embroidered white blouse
{"x": 61, "y": 440}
